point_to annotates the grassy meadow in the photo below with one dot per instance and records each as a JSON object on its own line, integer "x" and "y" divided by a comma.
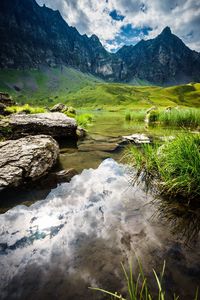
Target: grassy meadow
{"x": 44, "y": 87}
{"x": 122, "y": 96}
{"x": 48, "y": 86}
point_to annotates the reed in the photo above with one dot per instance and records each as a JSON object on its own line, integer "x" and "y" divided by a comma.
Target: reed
{"x": 138, "y": 289}
{"x": 189, "y": 117}
{"x": 135, "y": 115}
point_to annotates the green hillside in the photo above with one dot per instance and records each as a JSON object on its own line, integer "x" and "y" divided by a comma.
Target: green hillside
{"x": 68, "y": 85}
{"x": 121, "y": 95}
{"x": 44, "y": 86}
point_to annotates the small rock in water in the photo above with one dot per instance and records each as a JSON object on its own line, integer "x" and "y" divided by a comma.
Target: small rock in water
{"x": 81, "y": 133}
{"x": 137, "y": 138}
{"x": 65, "y": 175}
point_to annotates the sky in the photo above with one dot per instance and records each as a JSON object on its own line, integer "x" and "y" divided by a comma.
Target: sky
{"x": 126, "y": 22}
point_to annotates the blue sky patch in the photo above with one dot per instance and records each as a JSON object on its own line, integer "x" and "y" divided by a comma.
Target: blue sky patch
{"x": 129, "y": 36}
{"x": 129, "y": 31}
{"x": 115, "y": 16}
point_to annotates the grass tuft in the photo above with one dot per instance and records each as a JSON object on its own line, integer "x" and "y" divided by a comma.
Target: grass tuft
{"x": 84, "y": 120}
{"x": 189, "y": 117}
{"x": 138, "y": 289}
{"x": 135, "y": 115}
{"x": 174, "y": 166}
{"x": 25, "y": 108}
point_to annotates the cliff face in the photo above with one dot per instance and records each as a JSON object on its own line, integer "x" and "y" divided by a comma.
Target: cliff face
{"x": 164, "y": 60}
{"x": 32, "y": 36}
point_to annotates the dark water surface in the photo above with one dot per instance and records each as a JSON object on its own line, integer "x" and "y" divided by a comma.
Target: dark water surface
{"x": 77, "y": 235}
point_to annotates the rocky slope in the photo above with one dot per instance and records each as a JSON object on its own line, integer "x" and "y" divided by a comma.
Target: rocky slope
{"x": 165, "y": 59}
{"x": 33, "y": 36}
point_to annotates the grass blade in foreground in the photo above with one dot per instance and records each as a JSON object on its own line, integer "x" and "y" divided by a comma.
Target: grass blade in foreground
{"x": 138, "y": 290}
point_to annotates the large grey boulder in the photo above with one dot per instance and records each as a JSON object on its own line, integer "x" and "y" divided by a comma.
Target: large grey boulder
{"x": 26, "y": 159}
{"x": 55, "y": 124}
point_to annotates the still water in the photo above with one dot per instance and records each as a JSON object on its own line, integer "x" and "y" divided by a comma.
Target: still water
{"x": 77, "y": 234}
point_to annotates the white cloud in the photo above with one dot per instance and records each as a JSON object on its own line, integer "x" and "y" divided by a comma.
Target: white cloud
{"x": 92, "y": 212}
{"x": 92, "y": 17}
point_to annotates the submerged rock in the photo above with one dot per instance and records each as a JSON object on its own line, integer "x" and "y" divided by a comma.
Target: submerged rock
{"x": 54, "y": 124}
{"x": 98, "y": 146}
{"x": 52, "y": 179}
{"x": 26, "y": 159}
{"x": 65, "y": 175}
{"x": 81, "y": 133}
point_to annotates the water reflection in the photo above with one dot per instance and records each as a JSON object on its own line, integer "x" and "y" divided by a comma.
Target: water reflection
{"x": 80, "y": 233}
{"x": 183, "y": 219}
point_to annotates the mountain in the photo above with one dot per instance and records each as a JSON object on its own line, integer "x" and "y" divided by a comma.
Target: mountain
{"x": 33, "y": 37}
{"x": 163, "y": 60}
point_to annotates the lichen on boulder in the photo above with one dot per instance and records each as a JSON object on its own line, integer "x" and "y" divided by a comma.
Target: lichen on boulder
{"x": 26, "y": 159}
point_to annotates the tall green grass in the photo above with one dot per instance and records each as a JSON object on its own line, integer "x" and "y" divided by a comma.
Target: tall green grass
{"x": 184, "y": 117}
{"x": 138, "y": 289}
{"x": 135, "y": 115}
{"x": 189, "y": 117}
{"x": 84, "y": 120}
{"x": 173, "y": 167}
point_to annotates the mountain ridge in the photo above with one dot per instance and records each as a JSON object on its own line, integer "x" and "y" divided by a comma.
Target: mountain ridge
{"x": 33, "y": 35}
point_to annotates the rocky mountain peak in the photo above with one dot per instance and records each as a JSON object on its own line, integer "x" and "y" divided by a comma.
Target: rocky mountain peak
{"x": 39, "y": 36}
{"x": 166, "y": 31}
{"x": 94, "y": 38}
